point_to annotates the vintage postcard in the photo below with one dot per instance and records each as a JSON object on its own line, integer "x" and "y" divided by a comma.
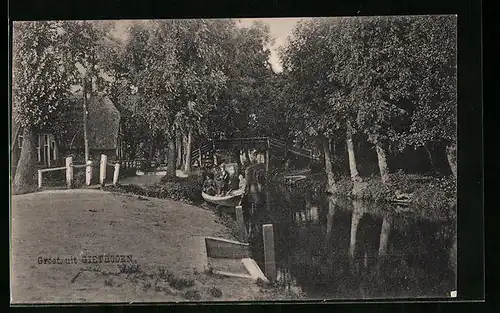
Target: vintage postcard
{"x": 265, "y": 159}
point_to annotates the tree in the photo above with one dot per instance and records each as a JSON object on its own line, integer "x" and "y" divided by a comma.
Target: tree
{"x": 309, "y": 61}
{"x": 41, "y": 81}
{"x": 202, "y": 58}
{"x": 432, "y": 86}
{"x": 407, "y": 83}
{"x": 380, "y": 79}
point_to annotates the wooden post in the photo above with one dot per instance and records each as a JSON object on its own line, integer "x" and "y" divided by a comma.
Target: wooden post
{"x": 88, "y": 173}
{"x": 39, "y": 178}
{"x": 241, "y": 224}
{"x": 199, "y": 158}
{"x": 269, "y": 258}
{"x": 69, "y": 171}
{"x": 267, "y": 160}
{"x": 102, "y": 173}
{"x": 116, "y": 173}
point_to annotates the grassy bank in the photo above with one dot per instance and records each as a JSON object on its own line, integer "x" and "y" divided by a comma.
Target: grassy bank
{"x": 433, "y": 195}
{"x": 162, "y": 236}
{"x": 185, "y": 190}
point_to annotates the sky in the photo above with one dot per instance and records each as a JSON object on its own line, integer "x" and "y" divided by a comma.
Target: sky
{"x": 280, "y": 29}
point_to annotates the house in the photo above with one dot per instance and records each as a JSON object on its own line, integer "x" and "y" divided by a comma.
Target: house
{"x": 103, "y": 122}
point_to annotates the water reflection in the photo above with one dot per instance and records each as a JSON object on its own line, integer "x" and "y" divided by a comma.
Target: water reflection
{"x": 331, "y": 247}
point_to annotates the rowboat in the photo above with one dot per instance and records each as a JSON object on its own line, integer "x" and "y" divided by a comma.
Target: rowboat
{"x": 293, "y": 178}
{"x": 231, "y": 200}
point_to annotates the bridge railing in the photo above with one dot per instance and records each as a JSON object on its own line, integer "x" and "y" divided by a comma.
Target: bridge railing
{"x": 265, "y": 142}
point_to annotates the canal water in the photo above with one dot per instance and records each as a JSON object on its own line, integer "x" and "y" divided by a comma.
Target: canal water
{"x": 334, "y": 248}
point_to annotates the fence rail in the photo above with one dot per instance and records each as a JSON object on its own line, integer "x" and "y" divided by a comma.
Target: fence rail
{"x": 51, "y": 169}
{"x": 88, "y": 172}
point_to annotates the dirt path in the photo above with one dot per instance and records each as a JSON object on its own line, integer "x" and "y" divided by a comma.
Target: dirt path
{"x": 158, "y": 234}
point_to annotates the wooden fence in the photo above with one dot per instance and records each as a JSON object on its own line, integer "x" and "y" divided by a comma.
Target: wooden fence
{"x": 69, "y": 166}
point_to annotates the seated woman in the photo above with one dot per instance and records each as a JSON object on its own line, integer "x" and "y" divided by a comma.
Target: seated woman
{"x": 242, "y": 184}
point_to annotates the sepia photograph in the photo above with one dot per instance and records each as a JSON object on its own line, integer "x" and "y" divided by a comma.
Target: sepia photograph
{"x": 222, "y": 160}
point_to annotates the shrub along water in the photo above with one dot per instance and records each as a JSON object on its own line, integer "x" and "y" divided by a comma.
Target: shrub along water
{"x": 433, "y": 194}
{"x": 187, "y": 190}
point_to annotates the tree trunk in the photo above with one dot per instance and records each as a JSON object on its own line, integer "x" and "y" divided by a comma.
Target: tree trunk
{"x": 187, "y": 165}
{"x": 429, "y": 155}
{"x": 25, "y": 177}
{"x": 178, "y": 146}
{"x": 85, "y": 131}
{"x": 332, "y": 187}
{"x": 451, "y": 155}
{"x": 171, "y": 165}
{"x": 382, "y": 163}
{"x": 184, "y": 150}
{"x": 236, "y": 155}
{"x": 352, "y": 159}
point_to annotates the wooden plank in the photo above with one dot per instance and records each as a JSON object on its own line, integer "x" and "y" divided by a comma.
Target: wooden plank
{"x": 253, "y": 268}
{"x": 241, "y": 223}
{"x": 229, "y": 249}
{"x": 229, "y": 274}
{"x": 269, "y": 254}
{"x": 79, "y": 165}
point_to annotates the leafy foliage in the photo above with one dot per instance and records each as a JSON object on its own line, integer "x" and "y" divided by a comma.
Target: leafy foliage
{"x": 187, "y": 190}
{"x": 41, "y": 72}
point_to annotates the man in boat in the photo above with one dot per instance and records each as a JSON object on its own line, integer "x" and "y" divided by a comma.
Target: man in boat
{"x": 224, "y": 180}
{"x": 209, "y": 185}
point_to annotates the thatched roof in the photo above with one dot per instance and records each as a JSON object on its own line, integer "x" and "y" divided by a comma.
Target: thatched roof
{"x": 103, "y": 122}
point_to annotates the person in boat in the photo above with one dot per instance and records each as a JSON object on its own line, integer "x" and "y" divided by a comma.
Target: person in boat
{"x": 243, "y": 183}
{"x": 209, "y": 186}
{"x": 224, "y": 180}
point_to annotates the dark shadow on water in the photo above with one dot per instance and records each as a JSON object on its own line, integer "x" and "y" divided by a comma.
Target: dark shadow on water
{"x": 335, "y": 248}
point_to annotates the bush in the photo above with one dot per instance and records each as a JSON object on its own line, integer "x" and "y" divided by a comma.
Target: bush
{"x": 192, "y": 295}
{"x": 215, "y": 292}
{"x": 54, "y": 179}
{"x": 434, "y": 195}
{"x": 187, "y": 190}
{"x": 176, "y": 282}
{"x": 127, "y": 172}
{"x": 181, "y": 189}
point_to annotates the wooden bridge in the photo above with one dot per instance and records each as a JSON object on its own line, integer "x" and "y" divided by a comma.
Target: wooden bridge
{"x": 204, "y": 154}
